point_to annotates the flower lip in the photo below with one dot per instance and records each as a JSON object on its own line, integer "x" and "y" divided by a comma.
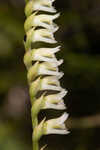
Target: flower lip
{"x": 57, "y": 106}
{"x": 43, "y": 35}
{"x": 51, "y": 83}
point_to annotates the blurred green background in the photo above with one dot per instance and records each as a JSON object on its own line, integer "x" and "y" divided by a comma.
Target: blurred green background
{"x": 79, "y": 36}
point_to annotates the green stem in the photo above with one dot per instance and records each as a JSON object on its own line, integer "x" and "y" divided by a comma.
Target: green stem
{"x": 34, "y": 124}
{"x": 35, "y": 145}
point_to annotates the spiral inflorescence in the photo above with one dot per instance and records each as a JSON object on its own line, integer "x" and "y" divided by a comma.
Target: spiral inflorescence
{"x": 42, "y": 67}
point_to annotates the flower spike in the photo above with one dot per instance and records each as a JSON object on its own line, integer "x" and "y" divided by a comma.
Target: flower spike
{"x": 42, "y": 68}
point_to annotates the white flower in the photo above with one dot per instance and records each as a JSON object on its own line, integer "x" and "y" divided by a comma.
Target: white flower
{"x": 42, "y": 54}
{"x": 56, "y": 126}
{"x": 42, "y": 5}
{"x": 56, "y": 97}
{"x": 39, "y": 35}
{"x": 47, "y": 83}
{"x": 44, "y": 103}
{"x": 47, "y": 52}
{"x": 47, "y": 55}
{"x": 44, "y": 68}
{"x": 42, "y": 20}
{"x": 58, "y": 105}
{"x": 55, "y": 101}
{"x": 51, "y": 83}
{"x": 43, "y": 35}
{"x": 45, "y": 21}
{"x": 48, "y": 69}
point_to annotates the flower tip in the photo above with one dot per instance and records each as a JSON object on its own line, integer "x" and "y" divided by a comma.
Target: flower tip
{"x": 63, "y": 118}
{"x": 63, "y": 93}
{"x": 56, "y": 15}
{"x": 43, "y": 147}
{"x": 65, "y": 132}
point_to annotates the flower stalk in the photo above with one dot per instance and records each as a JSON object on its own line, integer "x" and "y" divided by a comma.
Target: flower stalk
{"x": 42, "y": 69}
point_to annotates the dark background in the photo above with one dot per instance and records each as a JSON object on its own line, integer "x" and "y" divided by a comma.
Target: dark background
{"x": 79, "y": 36}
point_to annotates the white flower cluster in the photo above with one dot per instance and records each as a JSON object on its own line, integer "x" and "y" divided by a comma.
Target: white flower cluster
{"x": 43, "y": 74}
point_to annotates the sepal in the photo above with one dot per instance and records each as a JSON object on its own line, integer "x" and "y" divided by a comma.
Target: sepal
{"x": 39, "y": 131}
{"x": 28, "y": 59}
{"x": 33, "y": 72}
{"x": 34, "y": 88}
{"x": 29, "y": 8}
{"x": 37, "y": 105}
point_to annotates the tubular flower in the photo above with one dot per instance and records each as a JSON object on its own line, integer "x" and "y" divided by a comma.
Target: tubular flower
{"x": 42, "y": 69}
